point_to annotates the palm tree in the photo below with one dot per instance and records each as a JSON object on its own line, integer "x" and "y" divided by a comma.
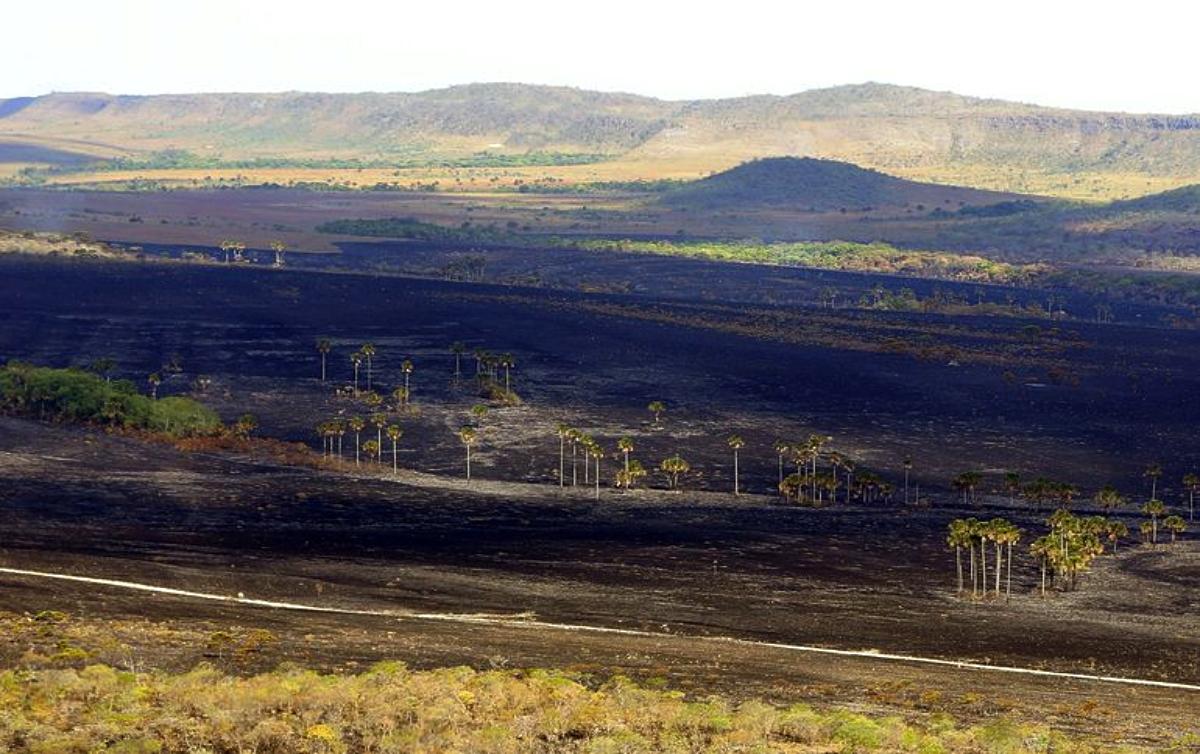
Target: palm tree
{"x": 1043, "y": 548}
{"x": 356, "y": 359}
{"x": 400, "y": 394}
{"x": 1108, "y": 498}
{"x": 597, "y": 453}
{"x": 563, "y": 431}
{"x": 368, "y": 352}
{"x": 627, "y": 478}
{"x": 1154, "y": 508}
{"x": 735, "y": 442}
{"x": 1175, "y": 524}
{"x": 279, "y": 247}
{"x": 674, "y": 467}
{"x": 657, "y": 408}
{"x": 154, "y": 380}
{"x": 323, "y": 347}
{"x": 237, "y": 247}
{"x": 406, "y": 368}
{"x": 356, "y": 426}
{"x": 394, "y": 432}
{"x": 958, "y": 538}
{"x": 1012, "y": 485}
{"x": 1114, "y": 531}
{"x": 339, "y": 430}
{"x": 468, "y": 436}
{"x": 372, "y": 449}
{"x": 1191, "y": 482}
{"x": 781, "y": 450}
{"x": 967, "y": 482}
{"x": 1153, "y": 472}
{"x": 380, "y": 420}
{"x": 625, "y": 445}
{"x": 907, "y": 470}
{"x": 457, "y": 348}
{"x": 573, "y": 436}
{"x": 507, "y": 362}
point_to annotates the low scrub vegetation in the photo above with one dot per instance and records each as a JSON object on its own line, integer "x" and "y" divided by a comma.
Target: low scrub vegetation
{"x": 833, "y": 255}
{"x": 393, "y": 709}
{"x": 75, "y": 395}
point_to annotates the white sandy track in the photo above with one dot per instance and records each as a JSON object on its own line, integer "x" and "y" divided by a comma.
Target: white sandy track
{"x": 522, "y": 621}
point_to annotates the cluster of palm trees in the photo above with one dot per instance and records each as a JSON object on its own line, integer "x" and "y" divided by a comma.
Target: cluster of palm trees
{"x": 585, "y": 446}
{"x": 487, "y": 370}
{"x": 813, "y": 485}
{"x": 974, "y": 537}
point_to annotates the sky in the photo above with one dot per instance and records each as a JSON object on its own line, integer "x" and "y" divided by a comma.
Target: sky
{"x": 1099, "y": 55}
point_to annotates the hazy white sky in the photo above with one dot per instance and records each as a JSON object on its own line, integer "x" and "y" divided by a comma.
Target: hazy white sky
{"x": 1133, "y": 56}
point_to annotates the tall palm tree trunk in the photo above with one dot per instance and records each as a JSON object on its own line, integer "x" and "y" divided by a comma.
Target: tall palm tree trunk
{"x": 562, "y": 460}
{"x": 736, "y": 489}
{"x": 393, "y": 458}
{"x": 959, "y": 566}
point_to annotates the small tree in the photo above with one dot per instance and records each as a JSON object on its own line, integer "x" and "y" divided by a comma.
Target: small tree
{"x": 674, "y": 467}
{"x": 1174, "y": 524}
{"x": 1109, "y": 499}
{"x": 371, "y": 448}
{"x": 657, "y": 408}
{"x": 154, "y": 380}
{"x": 628, "y": 477}
{"x": 245, "y": 424}
{"x": 468, "y": 436}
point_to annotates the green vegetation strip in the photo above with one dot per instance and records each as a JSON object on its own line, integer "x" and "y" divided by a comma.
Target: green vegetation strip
{"x": 73, "y": 395}
{"x": 832, "y": 255}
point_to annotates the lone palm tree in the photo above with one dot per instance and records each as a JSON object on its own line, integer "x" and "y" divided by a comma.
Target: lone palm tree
{"x": 625, "y": 445}
{"x": 657, "y": 408}
{"x": 323, "y": 348}
{"x": 279, "y": 247}
{"x": 1154, "y": 509}
{"x": 154, "y": 380}
{"x": 468, "y": 436}
{"x": 406, "y": 368}
{"x": 368, "y": 352}
{"x": 736, "y": 443}
{"x": 1191, "y": 482}
{"x": 1153, "y": 472}
{"x": 394, "y": 432}
{"x": 356, "y": 426}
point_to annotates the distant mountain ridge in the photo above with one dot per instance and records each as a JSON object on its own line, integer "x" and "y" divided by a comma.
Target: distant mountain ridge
{"x": 916, "y": 133}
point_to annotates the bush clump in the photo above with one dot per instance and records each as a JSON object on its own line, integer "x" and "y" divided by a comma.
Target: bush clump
{"x": 73, "y": 395}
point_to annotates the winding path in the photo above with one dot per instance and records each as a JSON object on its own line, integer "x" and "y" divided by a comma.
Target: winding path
{"x": 525, "y": 620}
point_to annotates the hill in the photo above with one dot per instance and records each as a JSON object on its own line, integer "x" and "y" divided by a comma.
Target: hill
{"x": 913, "y": 133}
{"x": 817, "y": 185}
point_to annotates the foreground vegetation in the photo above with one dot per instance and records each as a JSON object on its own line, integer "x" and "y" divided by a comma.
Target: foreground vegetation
{"x": 393, "y": 709}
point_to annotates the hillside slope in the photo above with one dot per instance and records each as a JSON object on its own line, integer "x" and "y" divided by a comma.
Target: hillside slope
{"x": 904, "y": 131}
{"x": 806, "y": 183}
